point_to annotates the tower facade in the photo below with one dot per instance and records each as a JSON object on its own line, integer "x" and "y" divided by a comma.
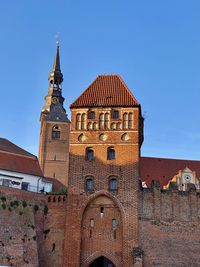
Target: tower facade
{"x": 55, "y": 127}
{"x": 106, "y": 135}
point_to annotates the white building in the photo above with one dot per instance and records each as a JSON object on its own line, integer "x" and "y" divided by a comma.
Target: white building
{"x": 20, "y": 169}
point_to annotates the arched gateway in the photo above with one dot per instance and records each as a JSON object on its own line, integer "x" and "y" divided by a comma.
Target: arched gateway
{"x": 102, "y": 262}
{"x": 101, "y": 233}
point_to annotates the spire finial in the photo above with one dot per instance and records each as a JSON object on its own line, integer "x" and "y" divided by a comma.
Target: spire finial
{"x": 57, "y": 39}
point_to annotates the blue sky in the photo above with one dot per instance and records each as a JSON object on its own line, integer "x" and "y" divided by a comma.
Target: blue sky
{"x": 154, "y": 45}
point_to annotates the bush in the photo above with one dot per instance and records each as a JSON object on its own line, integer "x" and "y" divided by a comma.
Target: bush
{"x": 46, "y": 209}
{"x": 3, "y": 198}
{"x": 3, "y": 206}
{"x": 24, "y": 204}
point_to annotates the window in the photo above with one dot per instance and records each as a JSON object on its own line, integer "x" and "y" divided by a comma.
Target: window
{"x": 55, "y": 132}
{"x": 6, "y": 182}
{"x": 89, "y": 154}
{"x": 114, "y": 224}
{"x": 125, "y": 120}
{"x": 83, "y": 121}
{"x": 110, "y": 153}
{"x": 113, "y": 184}
{"x": 91, "y": 115}
{"x": 90, "y": 126}
{"x": 25, "y": 186}
{"x": 101, "y": 121}
{"x": 118, "y": 126}
{"x": 94, "y": 126}
{"x": 130, "y": 120}
{"x": 115, "y": 114}
{"x": 106, "y": 121}
{"x": 113, "y": 125}
{"x": 89, "y": 184}
{"x": 78, "y": 121}
{"x": 92, "y": 222}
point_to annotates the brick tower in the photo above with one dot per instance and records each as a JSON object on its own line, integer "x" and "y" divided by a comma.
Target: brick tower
{"x": 102, "y": 214}
{"x": 55, "y": 127}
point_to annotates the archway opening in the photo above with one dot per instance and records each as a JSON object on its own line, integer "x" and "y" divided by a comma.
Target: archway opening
{"x": 102, "y": 262}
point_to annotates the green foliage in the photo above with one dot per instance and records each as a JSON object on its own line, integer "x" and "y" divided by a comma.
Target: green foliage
{"x": 62, "y": 191}
{"x": 3, "y": 206}
{"x": 20, "y": 213}
{"x": 3, "y": 198}
{"x": 46, "y": 209}
{"x": 24, "y": 204}
{"x": 14, "y": 203}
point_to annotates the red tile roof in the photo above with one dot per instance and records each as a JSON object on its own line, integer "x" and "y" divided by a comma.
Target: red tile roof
{"x": 16, "y": 159}
{"x": 106, "y": 91}
{"x": 163, "y": 170}
{"x": 18, "y": 163}
{"x": 6, "y": 145}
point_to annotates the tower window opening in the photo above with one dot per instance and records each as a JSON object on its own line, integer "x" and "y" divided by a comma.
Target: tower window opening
{"x": 130, "y": 120}
{"x": 113, "y": 184}
{"x": 101, "y": 212}
{"x": 110, "y": 153}
{"x": 91, "y": 115}
{"x": 107, "y": 120}
{"x": 94, "y": 126}
{"x": 101, "y": 121}
{"x": 115, "y": 114}
{"x": 114, "y": 224}
{"x": 83, "y": 121}
{"x": 78, "y": 121}
{"x": 55, "y": 132}
{"x": 89, "y": 184}
{"x": 92, "y": 222}
{"x": 125, "y": 121}
{"x": 90, "y": 126}
{"x": 89, "y": 154}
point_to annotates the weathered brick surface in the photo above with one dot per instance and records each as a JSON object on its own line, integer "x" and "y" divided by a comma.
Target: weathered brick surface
{"x": 170, "y": 237}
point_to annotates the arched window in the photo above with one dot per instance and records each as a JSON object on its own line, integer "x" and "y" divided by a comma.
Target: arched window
{"x": 106, "y": 120}
{"x": 90, "y": 125}
{"x": 125, "y": 121}
{"x": 89, "y": 184}
{"x": 94, "y": 126}
{"x": 55, "y": 132}
{"x": 78, "y": 121}
{"x": 83, "y": 121}
{"x": 110, "y": 153}
{"x": 113, "y": 125}
{"x": 113, "y": 184}
{"x": 130, "y": 120}
{"x": 101, "y": 121}
{"x": 118, "y": 126}
{"x": 89, "y": 154}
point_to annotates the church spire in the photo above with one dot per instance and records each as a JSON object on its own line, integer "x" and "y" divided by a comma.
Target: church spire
{"x": 53, "y": 107}
{"x": 56, "y": 77}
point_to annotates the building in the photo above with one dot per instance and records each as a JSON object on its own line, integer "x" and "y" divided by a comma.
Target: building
{"x": 21, "y": 170}
{"x": 122, "y": 209}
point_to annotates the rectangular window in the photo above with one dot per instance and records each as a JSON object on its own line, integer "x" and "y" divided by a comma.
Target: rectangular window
{"x": 25, "y": 186}
{"x": 91, "y": 115}
{"x": 115, "y": 114}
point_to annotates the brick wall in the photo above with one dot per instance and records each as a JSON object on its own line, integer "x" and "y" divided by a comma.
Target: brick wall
{"x": 169, "y": 227}
{"x": 32, "y": 228}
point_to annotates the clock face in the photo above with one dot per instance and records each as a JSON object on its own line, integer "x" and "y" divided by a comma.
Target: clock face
{"x": 187, "y": 178}
{"x": 54, "y": 100}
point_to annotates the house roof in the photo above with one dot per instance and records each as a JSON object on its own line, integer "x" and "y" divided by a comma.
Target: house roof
{"x": 106, "y": 91}
{"x": 163, "y": 170}
{"x": 7, "y": 146}
{"x": 16, "y": 159}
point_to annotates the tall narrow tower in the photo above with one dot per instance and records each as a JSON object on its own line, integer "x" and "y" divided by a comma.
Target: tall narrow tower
{"x": 55, "y": 127}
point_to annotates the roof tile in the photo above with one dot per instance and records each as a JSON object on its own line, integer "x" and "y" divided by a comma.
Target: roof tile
{"x": 106, "y": 91}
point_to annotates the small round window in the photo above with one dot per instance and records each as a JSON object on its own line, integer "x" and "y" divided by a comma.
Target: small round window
{"x": 81, "y": 138}
{"x": 125, "y": 137}
{"x": 102, "y": 137}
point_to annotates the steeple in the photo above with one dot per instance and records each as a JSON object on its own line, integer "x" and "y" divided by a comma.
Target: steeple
{"x": 56, "y": 77}
{"x": 53, "y": 108}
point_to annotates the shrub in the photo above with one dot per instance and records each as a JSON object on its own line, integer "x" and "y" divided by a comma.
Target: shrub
{"x": 36, "y": 208}
{"x": 24, "y": 204}
{"x": 3, "y": 198}
{"x": 46, "y": 210}
{"x": 3, "y": 206}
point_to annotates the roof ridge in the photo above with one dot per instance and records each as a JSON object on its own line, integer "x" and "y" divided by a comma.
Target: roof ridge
{"x": 19, "y": 155}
